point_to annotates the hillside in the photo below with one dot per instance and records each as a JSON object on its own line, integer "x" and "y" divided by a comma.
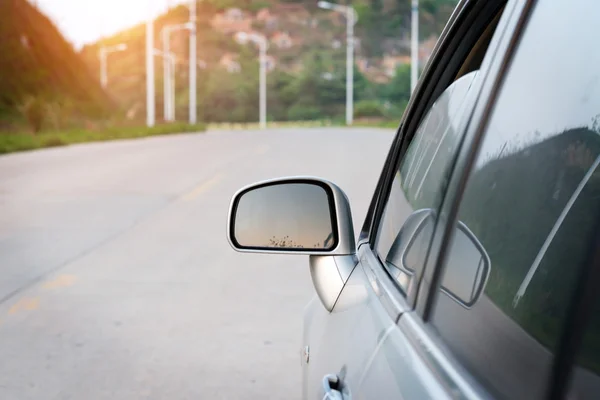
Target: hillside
{"x": 39, "y": 65}
{"x": 306, "y": 58}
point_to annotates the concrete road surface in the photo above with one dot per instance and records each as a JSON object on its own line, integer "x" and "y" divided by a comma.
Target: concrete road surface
{"x": 116, "y": 278}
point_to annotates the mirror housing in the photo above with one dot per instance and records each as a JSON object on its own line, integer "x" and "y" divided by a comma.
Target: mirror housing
{"x": 296, "y": 215}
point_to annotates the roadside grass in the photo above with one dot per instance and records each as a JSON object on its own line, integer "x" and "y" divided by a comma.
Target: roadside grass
{"x": 13, "y": 142}
{"x": 359, "y": 122}
{"x": 22, "y": 141}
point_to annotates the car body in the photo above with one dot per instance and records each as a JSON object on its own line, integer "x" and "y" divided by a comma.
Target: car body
{"x": 475, "y": 272}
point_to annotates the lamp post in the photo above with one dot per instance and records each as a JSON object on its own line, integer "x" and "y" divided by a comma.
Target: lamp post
{"x": 168, "y": 61}
{"x": 414, "y": 45}
{"x": 351, "y": 19}
{"x": 150, "y": 72}
{"x": 192, "y": 102}
{"x": 102, "y": 55}
{"x": 261, "y": 41}
{"x": 169, "y": 70}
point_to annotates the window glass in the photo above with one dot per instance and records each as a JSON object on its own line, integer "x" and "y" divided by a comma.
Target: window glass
{"x": 420, "y": 182}
{"x": 531, "y": 202}
{"x": 585, "y": 379}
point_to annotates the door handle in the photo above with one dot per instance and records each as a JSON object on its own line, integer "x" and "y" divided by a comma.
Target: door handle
{"x": 334, "y": 388}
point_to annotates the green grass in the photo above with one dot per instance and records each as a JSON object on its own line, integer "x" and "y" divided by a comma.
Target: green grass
{"x": 303, "y": 124}
{"x": 12, "y": 142}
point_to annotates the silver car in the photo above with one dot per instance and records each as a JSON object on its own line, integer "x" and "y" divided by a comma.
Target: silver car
{"x": 475, "y": 273}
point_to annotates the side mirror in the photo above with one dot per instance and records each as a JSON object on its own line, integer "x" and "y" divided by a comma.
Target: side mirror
{"x": 468, "y": 264}
{"x": 298, "y": 216}
{"x": 291, "y": 216}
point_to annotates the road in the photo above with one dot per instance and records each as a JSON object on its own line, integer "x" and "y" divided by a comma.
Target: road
{"x": 117, "y": 278}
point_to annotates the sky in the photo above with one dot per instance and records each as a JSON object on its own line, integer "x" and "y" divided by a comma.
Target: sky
{"x": 85, "y": 21}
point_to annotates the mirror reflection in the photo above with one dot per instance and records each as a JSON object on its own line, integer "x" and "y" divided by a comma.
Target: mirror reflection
{"x": 467, "y": 266}
{"x": 285, "y": 216}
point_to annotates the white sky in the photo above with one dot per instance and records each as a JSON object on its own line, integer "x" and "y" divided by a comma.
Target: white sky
{"x": 85, "y": 21}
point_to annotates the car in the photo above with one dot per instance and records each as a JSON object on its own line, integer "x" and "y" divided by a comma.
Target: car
{"x": 476, "y": 271}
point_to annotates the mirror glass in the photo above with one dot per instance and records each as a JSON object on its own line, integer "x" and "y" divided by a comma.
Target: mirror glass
{"x": 292, "y": 216}
{"x": 467, "y": 267}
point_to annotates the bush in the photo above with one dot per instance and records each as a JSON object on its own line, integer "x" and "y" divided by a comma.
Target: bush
{"x": 33, "y": 110}
{"x": 368, "y": 108}
{"x": 12, "y": 142}
{"x": 299, "y": 112}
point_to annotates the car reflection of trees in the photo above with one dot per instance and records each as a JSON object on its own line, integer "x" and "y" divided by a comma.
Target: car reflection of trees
{"x": 551, "y": 170}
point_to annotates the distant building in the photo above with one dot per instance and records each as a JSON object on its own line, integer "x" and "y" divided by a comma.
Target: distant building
{"x": 390, "y": 64}
{"x": 363, "y": 64}
{"x": 295, "y": 13}
{"x": 231, "y": 20}
{"x": 267, "y": 18}
{"x": 282, "y": 40}
{"x": 230, "y": 63}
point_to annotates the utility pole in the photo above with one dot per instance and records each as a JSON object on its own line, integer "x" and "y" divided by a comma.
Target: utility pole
{"x": 349, "y": 65}
{"x": 192, "y": 62}
{"x": 102, "y": 55}
{"x": 414, "y": 45}
{"x": 262, "y": 43}
{"x": 351, "y": 19}
{"x": 169, "y": 69}
{"x": 150, "y": 72}
{"x": 166, "y": 74}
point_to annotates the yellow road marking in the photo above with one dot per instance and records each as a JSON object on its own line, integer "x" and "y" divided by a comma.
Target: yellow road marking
{"x": 26, "y": 303}
{"x": 203, "y": 187}
{"x": 61, "y": 281}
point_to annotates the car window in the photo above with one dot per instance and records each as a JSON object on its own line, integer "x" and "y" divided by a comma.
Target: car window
{"x": 419, "y": 183}
{"x": 532, "y": 203}
{"x": 405, "y": 229}
{"x": 585, "y": 377}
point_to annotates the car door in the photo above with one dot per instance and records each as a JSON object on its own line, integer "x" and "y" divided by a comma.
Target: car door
{"x": 344, "y": 348}
{"x": 526, "y": 186}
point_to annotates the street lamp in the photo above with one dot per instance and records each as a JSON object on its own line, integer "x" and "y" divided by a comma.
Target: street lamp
{"x": 169, "y": 70}
{"x": 150, "y": 72}
{"x": 351, "y": 19}
{"x": 261, "y": 41}
{"x": 102, "y": 55}
{"x": 414, "y": 45}
{"x": 168, "y": 60}
{"x": 192, "y": 66}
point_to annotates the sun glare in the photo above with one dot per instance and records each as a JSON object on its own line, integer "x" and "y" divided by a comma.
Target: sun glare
{"x": 84, "y": 21}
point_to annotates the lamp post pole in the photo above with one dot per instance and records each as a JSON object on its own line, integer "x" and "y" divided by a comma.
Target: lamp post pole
{"x": 414, "y": 45}
{"x": 169, "y": 69}
{"x": 351, "y": 19}
{"x": 102, "y": 55}
{"x": 261, "y": 41}
{"x": 192, "y": 62}
{"x": 349, "y": 65}
{"x": 166, "y": 75}
{"x": 150, "y": 72}
{"x": 263, "y": 83}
